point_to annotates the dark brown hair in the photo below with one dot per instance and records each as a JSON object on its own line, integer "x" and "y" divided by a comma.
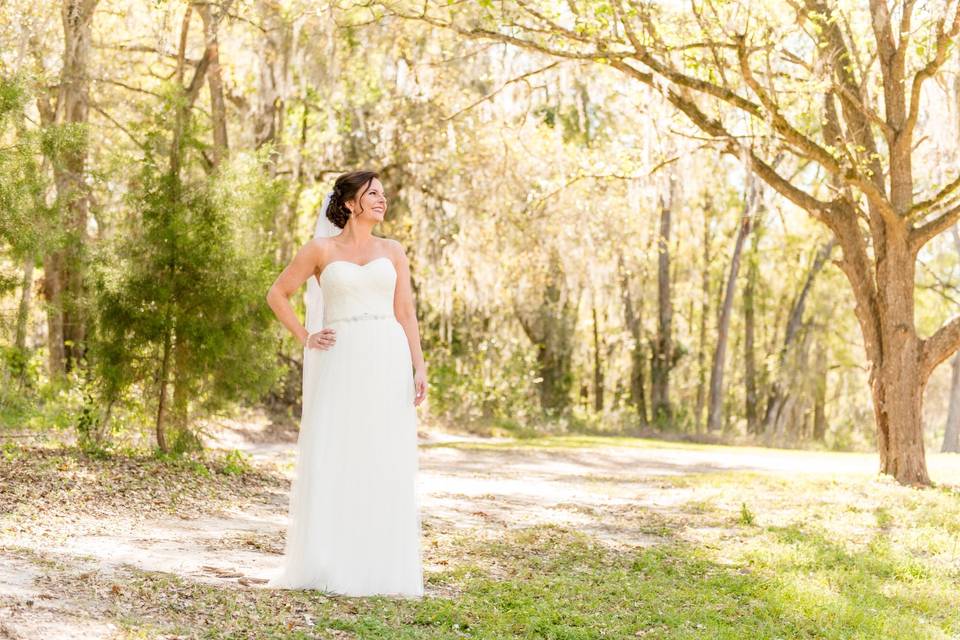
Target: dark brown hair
{"x": 346, "y": 187}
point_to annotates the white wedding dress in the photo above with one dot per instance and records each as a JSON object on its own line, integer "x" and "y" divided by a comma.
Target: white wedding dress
{"x": 354, "y": 520}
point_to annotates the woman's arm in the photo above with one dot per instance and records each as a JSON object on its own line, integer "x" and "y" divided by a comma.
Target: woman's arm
{"x": 404, "y": 309}
{"x": 303, "y": 266}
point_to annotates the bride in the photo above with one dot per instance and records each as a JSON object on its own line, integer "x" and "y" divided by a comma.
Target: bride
{"x": 354, "y": 520}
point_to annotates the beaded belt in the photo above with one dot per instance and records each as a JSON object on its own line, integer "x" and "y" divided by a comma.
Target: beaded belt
{"x": 363, "y": 316}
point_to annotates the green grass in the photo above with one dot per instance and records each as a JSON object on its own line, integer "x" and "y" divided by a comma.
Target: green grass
{"x": 739, "y": 555}
{"x": 594, "y": 441}
{"x": 558, "y": 583}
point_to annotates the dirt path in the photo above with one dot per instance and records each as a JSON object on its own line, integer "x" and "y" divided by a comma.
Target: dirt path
{"x": 612, "y": 493}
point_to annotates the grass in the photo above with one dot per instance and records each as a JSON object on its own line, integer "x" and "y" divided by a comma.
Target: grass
{"x": 595, "y": 441}
{"x": 561, "y": 584}
{"x": 743, "y": 555}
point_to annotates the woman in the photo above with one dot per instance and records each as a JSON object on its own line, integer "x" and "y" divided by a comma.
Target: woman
{"x": 354, "y": 513}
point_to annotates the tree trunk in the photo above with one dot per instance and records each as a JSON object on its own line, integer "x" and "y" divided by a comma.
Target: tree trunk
{"x": 191, "y": 91}
{"x": 53, "y": 294}
{"x": 550, "y": 328}
{"x": 900, "y": 363}
{"x": 704, "y": 314}
{"x": 777, "y": 395}
{"x": 820, "y": 395}
{"x": 634, "y": 320}
{"x": 898, "y": 403}
{"x": 66, "y": 264}
{"x": 291, "y": 205}
{"x": 23, "y": 309}
{"x": 553, "y": 367}
{"x": 749, "y": 358}
{"x": 714, "y": 414}
{"x": 160, "y": 425}
{"x": 661, "y": 360}
{"x": 218, "y": 109}
{"x": 273, "y": 61}
{"x": 951, "y": 435}
{"x": 597, "y": 364}
{"x": 174, "y": 350}
{"x": 896, "y": 379}
{"x": 789, "y": 426}
{"x": 50, "y": 283}
{"x": 182, "y": 391}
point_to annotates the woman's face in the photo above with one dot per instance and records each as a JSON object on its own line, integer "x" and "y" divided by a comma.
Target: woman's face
{"x": 371, "y": 202}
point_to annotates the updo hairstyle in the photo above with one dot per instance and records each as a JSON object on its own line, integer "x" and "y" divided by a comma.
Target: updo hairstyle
{"x": 346, "y": 187}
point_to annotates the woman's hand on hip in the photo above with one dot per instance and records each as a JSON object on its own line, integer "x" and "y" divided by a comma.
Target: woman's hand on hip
{"x": 323, "y": 339}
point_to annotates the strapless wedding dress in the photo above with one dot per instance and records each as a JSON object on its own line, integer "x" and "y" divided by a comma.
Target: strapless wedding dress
{"x": 354, "y": 520}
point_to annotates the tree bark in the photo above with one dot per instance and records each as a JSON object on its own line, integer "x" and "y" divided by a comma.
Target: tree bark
{"x": 64, "y": 268}
{"x": 820, "y": 395}
{"x": 749, "y": 356}
{"x": 900, "y": 362}
{"x": 23, "y": 309}
{"x": 704, "y": 314}
{"x": 951, "y": 435}
{"x": 160, "y": 424}
{"x": 661, "y": 358}
{"x": 53, "y": 294}
{"x": 633, "y": 318}
{"x": 597, "y": 363}
{"x": 218, "y": 109}
{"x": 550, "y": 328}
{"x": 715, "y": 406}
{"x": 182, "y": 393}
{"x": 778, "y": 394}
{"x": 191, "y": 91}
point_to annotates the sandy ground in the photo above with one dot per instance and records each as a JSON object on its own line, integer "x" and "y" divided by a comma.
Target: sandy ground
{"x": 598, "y": 490}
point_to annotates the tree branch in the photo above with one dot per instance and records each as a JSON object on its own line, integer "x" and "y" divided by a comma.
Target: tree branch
{"x": 919, "y": 236}
{"x": 130, "y": 135}
{"x": 502, "y": 37}
{"x": 935, "y": 199}
{"x": 938, "y": 347}
{"x": 715, "y": 128}
{"x": 944, "y": 40}
{"x": 642, "y": 54}
{"x": 849, "y": 99}
{"x": 519, "y": 78}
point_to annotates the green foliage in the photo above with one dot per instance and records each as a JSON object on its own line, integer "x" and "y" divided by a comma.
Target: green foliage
{"x": 480, "y": 378}
{"x": 235, "y": 462}
{"x": 27, "y": 225}
{"x": 30, "y": 400}
{"x": 187, "y": 277}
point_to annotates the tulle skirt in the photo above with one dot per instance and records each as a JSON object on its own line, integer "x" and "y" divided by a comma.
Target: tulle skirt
{"x": 354, "y": 516}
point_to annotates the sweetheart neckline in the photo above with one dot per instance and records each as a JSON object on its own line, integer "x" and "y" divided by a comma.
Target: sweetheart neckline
{"x": 356, "y": 264}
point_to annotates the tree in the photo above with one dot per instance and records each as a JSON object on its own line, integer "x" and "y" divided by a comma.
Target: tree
{"x": 186, "y": 305}
{"x": 714, "y": 405}
{"x": 27, "y": 224}
{"x": 662, "y": 357}
{"x": 549, "y": 326}
{"x": 777, "y": 396}
{"x": 633, "y": 318}
{"x": 815, "y": 71}
{"x": 64, "y": 267}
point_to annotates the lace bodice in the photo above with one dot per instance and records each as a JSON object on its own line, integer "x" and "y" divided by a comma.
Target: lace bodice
{"x": 354, "y": 291}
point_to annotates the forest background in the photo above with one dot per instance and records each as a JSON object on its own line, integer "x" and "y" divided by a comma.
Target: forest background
{"x": 632, "y": 219}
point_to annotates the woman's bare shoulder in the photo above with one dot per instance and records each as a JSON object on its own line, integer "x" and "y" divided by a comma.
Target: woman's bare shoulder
{"x": 321, "y": 246}
{"x": 392, "y": 247}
